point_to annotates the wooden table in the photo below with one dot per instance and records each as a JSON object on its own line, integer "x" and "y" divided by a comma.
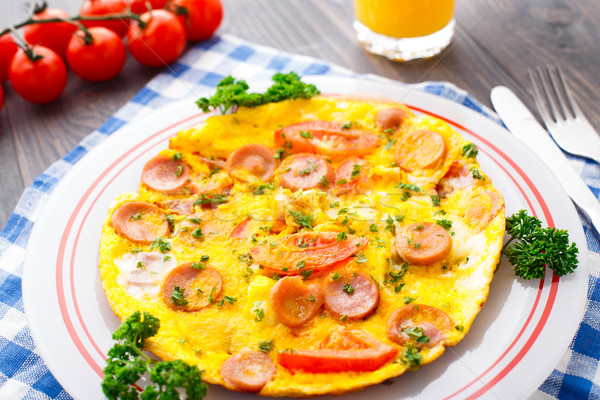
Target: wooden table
{"x": 496, "y": 41}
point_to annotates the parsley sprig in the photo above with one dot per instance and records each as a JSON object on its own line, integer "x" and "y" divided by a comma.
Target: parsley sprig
{"x": 232, "y": 93}
{"x": 531, "y": 247}
{"x": 127, "y": 363}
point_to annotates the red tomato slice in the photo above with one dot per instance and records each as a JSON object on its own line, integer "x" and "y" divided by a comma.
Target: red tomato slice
{"x": 345, "y": 350}
{"x": 327, "y": 138}
{"x": 307, "y": 251}
{"x": 352, "y": 176}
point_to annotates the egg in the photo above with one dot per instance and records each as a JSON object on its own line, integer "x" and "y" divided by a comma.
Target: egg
{"x": 352, "y": 248}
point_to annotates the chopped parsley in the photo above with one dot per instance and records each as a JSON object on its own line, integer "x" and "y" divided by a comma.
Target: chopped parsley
{"x": 306, "y": 135}
{"x": 177, "y": 156}
{"x": 178, "y": 297}
{"x": 355, "y": 171}
{"x": 477, "y": 174}
{"x": 416, "y": 333}
{"x": 161, "y": 244}
{"x": 304, "y": 220}
{"x": 470, "y": 150}
{"x": 259, "y": 313}
{"x": 211, "y": 198}
{"x": 444, "y": 223}
{"x": 266, "y": 346}
{"x": 348, "y": 288}
{"x": 179, "y": 171}
{"x": 411, "y": 355}
{"x": 214, "y": 171}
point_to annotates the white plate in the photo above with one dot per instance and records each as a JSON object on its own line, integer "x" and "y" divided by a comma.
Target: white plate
{"x": 515, "y": 342}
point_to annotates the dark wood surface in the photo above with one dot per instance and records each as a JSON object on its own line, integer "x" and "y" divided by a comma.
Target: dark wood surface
{"x": 496, "y": 41}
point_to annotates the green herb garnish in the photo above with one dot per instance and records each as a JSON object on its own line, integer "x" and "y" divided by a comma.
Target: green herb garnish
{"x": 232, "y": 93}
{"x": 126, "y": 363}
{"x": 532, "y": 247}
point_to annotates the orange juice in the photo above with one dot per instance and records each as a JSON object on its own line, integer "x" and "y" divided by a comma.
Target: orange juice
{"x": 404, "y": 18}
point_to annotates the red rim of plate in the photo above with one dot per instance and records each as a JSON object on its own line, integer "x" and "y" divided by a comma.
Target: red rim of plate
{"x": 67, "y": 318}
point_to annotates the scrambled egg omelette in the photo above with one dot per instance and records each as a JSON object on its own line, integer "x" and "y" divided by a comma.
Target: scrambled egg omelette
{"x": 306, "y": 247}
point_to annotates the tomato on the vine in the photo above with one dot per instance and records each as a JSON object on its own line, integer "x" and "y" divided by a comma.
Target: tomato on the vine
{"x": 140, "y": 6}
{"x": 161, "y": 41}
{"x": 203, "y": 19}
{"x": 8, "y": 48}
{"x": 97, "y": 8}
{"x": 54, "y": 35}
{"x": 1, "y": 98}
{"x": 39, "y": 81}
{"x": 100, "y": 59}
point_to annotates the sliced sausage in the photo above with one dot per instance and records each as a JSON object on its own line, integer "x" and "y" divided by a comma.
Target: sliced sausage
{"x": 420, "y": 323}
{"x": 255, "y": 158}
{"x": 192, "y": 286}
{"x": 164, "y": 174}
{"x": 140, "y": 222}
{"x": 248, "y": 372}
{"x": 423, "y": 243}
{"x": 294, "y": 301}
{"x": 305, "y": 171}
{"x": 420, "y": 149}
{"x": 353, "y": 295}
{"x": 352, "y": 176}
{"x": 483, "y": 207}
{"x": 390, "y": 118}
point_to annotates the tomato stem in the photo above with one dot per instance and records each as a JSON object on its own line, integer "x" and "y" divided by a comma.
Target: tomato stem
{"x": 74, "y": 20}
{"x": 23, "y": 45}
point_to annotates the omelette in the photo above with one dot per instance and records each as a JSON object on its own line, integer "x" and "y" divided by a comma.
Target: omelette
{"x": 306, "y": 247}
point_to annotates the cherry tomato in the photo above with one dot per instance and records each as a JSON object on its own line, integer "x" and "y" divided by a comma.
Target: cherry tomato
{"x": 140, "y": 6}
{"x": 8, "y": 48}
{"x": 104, "y": 8}
{"x": 1, "y": 98}
{"x": 203, "y": 19}
{"x": 39, "y": 81}
{"x": 100, "y": 60}
{"x": 55, "y": 35}
{"x": 160, "y": 42}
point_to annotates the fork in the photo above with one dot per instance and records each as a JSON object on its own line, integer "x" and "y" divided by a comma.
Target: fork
{"x": 561, "y": 114}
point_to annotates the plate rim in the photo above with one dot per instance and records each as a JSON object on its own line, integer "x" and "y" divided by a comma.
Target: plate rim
{"x": 27, "y": 269}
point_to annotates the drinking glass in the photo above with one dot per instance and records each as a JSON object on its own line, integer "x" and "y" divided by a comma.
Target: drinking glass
{"x": 404, "y": 30}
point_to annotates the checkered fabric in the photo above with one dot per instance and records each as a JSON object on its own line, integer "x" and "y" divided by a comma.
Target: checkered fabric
{"x": 23, "y": 374}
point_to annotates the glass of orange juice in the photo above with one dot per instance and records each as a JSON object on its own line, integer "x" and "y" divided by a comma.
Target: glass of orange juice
{"x": 404, "y": 30}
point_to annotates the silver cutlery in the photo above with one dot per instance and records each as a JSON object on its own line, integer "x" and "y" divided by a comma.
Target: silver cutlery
{"x": 561, "y": 114}
{"x": 524, "y": 126}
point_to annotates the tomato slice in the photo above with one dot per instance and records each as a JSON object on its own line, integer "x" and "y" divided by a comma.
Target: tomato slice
{"x": 328, "y": 138}
{"x": 343, "y": 350}
{"x": 310, "y": 251}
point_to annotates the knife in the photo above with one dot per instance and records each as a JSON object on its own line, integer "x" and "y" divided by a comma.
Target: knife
{"x": 524, "y": 126}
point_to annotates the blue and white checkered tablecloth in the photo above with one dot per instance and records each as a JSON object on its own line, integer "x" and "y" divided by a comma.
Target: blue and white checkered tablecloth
{"x": 23, "y": 374}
